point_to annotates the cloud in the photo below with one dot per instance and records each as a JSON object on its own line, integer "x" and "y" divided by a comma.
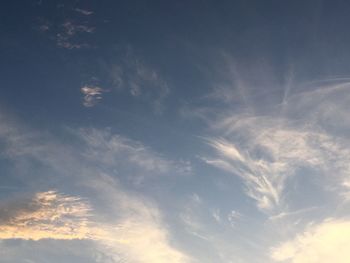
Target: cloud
{"x": 269, "y": 152}
{"x": 72, "y": 29}
{"x": 116, "y": 150}
{"x": 83, "y": 11}
{"x": 66, "y": 37}
{"x": 47, "y": 215}
{"x": 50, "y": 215}
{"x": 267, "y": 149}
{"x": 324, "y": 242}
{"x": 142, "y": 81}
{"x": 57, "y": 251}
{"x": 92, "y": 95}
{"x": 139, "y": 234}
{"x": 233, "y": 217}
{"x": 261, "y": 184}
{"x": 209, "y": 232}
{"x": 216, "y": 215}
{"x": 122, "y": 224}
{"x": 150, "y": 246}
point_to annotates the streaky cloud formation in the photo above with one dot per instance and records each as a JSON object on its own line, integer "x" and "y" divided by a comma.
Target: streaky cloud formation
{"x": 69, "y": 30}
{"x": 113, "y": 149}
{"x": 140, "y": 80}
{"x": 84, "y": 11}
{"x": 265, "y": 150}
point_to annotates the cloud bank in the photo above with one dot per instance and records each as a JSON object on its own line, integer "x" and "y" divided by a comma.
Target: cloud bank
{"x": 327, "y": 241}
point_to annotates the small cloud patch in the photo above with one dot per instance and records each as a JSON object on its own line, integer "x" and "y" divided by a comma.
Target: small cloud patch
{"x": 92, "y": 95}
{"x": 83, "y": 11}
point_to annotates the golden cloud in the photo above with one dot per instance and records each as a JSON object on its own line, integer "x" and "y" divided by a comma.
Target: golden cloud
{"x": 57, "y": 216}
{"x": 49, "y": 215}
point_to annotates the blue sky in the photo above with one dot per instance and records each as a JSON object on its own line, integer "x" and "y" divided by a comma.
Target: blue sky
{"x": 174, "y": 131}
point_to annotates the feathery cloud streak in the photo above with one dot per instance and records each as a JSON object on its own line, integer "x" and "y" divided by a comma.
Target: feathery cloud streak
{"x": 264, "y": 150}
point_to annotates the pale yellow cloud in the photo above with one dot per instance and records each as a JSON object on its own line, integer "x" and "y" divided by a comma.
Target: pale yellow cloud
{"x": 326, "y": 242}
{"x": 125, "y": 226}
{"x": 138, "y": 241}
{"x": 137, "y": 237}
{"x": 140, "y": 234}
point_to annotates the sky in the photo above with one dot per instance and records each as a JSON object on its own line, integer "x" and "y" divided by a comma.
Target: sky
{"x": 175, "y": 131}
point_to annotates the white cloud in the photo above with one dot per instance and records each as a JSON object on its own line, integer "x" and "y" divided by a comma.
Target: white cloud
{"x": 136, "y": 231}
{"x": 120, "y": 152}
{"x": 262, "y": 185}
{"x": 83, "y": 11}
{"x": 266, "y": 150}
{"x": 269, "y": 152}
{"x": 322, "y": 243}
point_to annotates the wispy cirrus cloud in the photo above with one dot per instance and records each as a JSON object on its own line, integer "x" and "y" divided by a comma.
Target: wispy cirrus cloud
{"x": 288, "y": 143}
{"x": 116, "y": 150}
{"x": 268, "y": 149}
{"x": 69, "y": 31}
{"x": 140, "y": 80}
{"x": 270, "y": 155}
{"x": 66, "y": 37}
